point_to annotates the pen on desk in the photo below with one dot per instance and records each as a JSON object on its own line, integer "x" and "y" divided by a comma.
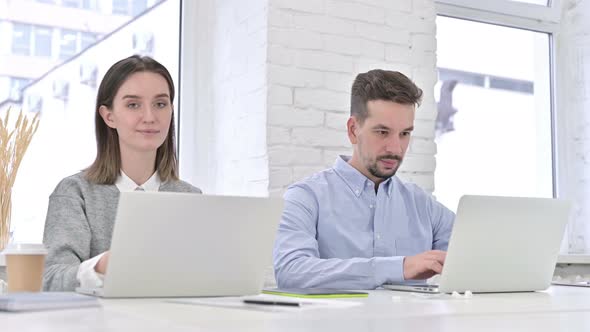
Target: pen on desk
{"x": 267, "y": 302}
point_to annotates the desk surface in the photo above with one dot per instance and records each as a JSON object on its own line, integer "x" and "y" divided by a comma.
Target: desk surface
{"x": 557, "y": 309}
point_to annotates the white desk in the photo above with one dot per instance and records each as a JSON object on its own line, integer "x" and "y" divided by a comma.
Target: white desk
{"x": 558, "y": 309}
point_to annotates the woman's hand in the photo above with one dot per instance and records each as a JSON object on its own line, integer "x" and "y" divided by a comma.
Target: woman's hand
{"x": 103, "y": 262}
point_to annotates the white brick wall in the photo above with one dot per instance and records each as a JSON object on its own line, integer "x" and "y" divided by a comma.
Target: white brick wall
{"x": 274, "y": 80}
{"x": 356, "y": 11}
{"x": 573, "y": 63}
{"x": 237, "y": 61}
{"x": 315, "y": 49}
{"x": 321, "y": 99}
{"x": 289, "y": 116}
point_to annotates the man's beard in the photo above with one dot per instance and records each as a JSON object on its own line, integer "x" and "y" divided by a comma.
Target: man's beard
{"x": 374, "y": 170}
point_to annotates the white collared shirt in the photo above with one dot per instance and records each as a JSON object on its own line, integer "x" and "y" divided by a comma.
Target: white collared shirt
{"x": 86, "y": 275}
{"x": 124, "y": 183}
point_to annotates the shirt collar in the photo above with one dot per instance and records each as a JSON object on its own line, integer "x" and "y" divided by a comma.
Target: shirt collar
{"x": 355, "y": 180}
{"x": 124, "y": 183}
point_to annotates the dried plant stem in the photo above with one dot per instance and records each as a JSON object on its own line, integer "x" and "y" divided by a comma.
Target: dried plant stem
{"x": 13, "y": 145}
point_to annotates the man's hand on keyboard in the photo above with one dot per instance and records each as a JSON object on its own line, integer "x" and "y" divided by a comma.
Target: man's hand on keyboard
{"x": 424, "y": 265}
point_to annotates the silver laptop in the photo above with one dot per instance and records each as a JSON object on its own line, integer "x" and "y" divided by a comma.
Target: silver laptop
{"x": 501, "y": 244}
{"x": 179, "y": 244}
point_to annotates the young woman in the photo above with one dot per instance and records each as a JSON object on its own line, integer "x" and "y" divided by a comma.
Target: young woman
{"x": 135, "y": 151}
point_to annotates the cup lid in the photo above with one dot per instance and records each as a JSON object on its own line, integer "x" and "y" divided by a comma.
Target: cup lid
{"x": 25, "y": 249}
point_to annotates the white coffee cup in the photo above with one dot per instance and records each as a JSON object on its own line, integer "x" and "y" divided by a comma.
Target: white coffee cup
{"x": 24, "y": 266}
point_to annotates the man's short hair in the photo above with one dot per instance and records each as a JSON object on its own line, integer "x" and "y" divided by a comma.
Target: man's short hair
{"x": 381, "y": 84}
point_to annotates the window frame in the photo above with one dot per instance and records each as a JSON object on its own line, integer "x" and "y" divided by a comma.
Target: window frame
{"x": 504, "y": 12}
{"x": 194, "y": 123}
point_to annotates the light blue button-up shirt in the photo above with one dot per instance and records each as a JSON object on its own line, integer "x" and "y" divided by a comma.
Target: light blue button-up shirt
{"x": 336, "y": 232}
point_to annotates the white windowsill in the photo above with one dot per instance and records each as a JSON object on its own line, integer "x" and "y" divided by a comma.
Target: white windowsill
{"x": 573, "y": 259}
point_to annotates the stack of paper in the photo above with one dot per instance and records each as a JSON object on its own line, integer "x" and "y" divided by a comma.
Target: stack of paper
{"x": 45, "y": 301}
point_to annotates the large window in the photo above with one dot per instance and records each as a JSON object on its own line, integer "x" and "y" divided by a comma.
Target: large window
{"x": 497, "y": 68}
{"x": 494, "y": 124}
{"x": 64, "y": 93}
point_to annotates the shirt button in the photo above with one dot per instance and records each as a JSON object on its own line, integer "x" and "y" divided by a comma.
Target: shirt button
{"x": 371, "y": 206}
{"x": 378, "y": 236}
{"x": 357, "y": 191}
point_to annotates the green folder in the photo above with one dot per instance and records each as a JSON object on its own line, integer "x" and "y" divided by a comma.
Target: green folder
{"x": 314, "y": 293}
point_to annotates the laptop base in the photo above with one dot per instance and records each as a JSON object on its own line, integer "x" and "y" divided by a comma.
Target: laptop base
{"x": 422, "y": 288}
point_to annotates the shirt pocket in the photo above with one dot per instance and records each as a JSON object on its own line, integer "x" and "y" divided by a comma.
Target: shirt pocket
{"x": 409, "y": 246}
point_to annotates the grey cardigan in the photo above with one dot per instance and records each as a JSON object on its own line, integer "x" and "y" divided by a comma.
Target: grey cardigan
{"x": 79, "y": 226}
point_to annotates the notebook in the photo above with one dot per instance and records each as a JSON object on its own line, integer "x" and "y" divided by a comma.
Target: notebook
{"x": 179, "y": 244}
{"x": 501, "y": 244}
{"x": 45, "y": 301}
{"x": 314, "y": 292}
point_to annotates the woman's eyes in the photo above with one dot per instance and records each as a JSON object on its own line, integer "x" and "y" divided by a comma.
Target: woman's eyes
{"x": 158, "y": 104}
